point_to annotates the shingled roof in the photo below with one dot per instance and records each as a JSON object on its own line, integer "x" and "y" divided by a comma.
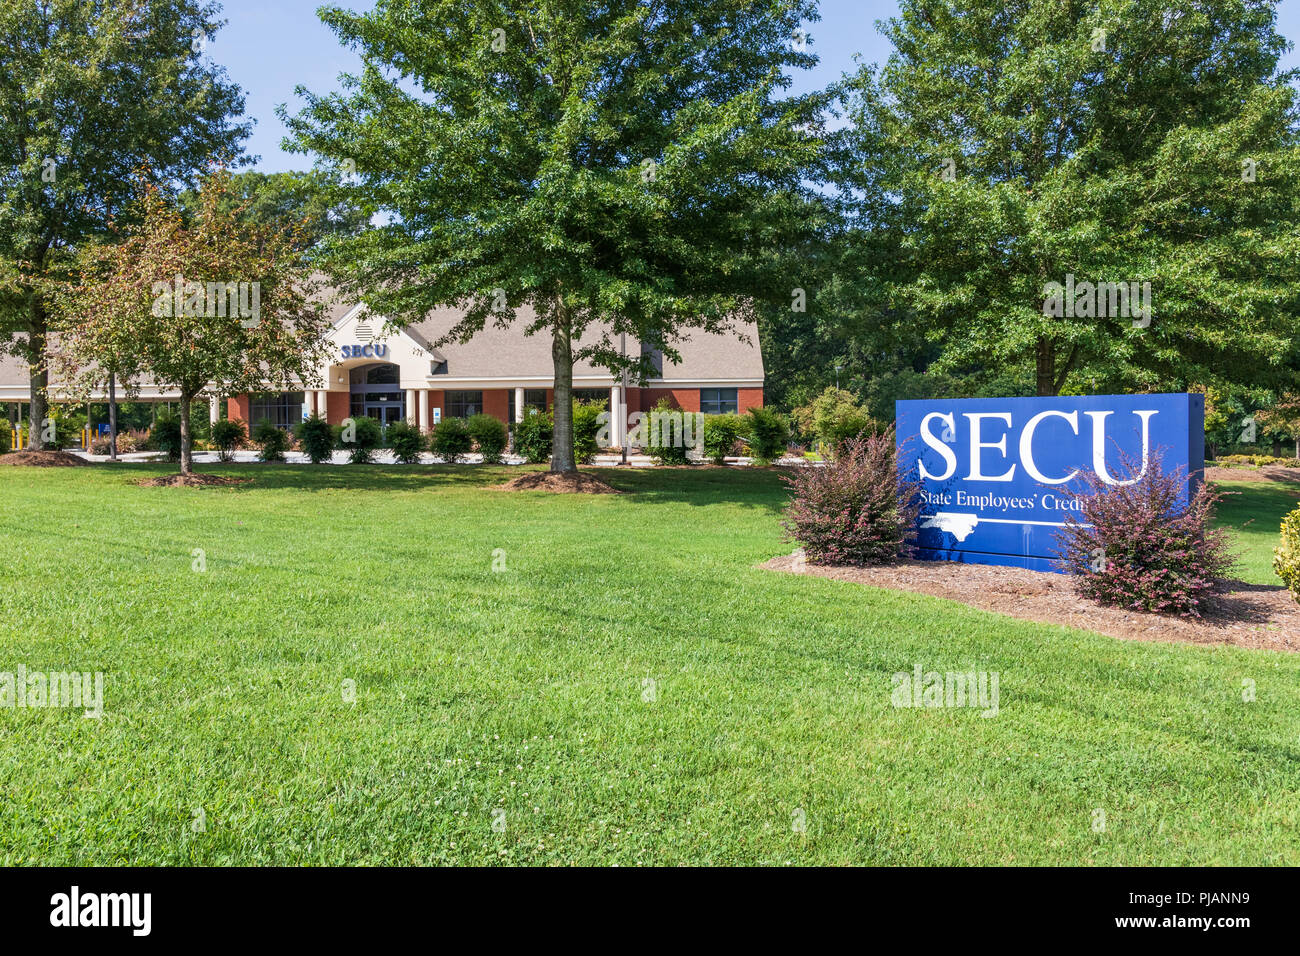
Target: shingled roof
{"x": 500, "y": 353}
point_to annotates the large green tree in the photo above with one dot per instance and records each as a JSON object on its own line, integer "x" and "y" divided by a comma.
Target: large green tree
{"x": 1010, "y": 144}
{"x": 621, "y": 167}
{"x": 301, "y": 201}
{"x": 91, "y": 91}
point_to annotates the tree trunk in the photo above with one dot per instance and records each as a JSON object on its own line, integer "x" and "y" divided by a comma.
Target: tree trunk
{"x": 112, "y": 417}
{"x": 187, "y": 454}
{"x": 1045, "y": 362}
{"x": 562, "y": 459}
{"x": 39, "y": 380}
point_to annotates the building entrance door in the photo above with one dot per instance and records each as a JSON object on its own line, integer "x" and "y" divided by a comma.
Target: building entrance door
{"x": 387, "y": 413}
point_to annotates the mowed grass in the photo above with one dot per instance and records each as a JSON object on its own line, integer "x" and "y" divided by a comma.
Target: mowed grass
{"x": 522, "y": 696}
{"x": 1253, "y": 512}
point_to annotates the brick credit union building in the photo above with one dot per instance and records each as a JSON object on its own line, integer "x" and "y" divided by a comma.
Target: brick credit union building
{"x": 397, "y": 373}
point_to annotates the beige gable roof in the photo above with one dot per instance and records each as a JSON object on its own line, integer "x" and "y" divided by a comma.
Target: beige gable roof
{"x": 496, "y": 352}
{"x": 502, "y": 354}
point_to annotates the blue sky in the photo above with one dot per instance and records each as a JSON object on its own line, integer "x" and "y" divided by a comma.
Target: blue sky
{"x": 271, "y": 46}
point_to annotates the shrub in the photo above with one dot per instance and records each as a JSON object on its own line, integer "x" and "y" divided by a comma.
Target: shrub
{"x": 316, "y": 438}
{"x": 271, "y": 441}
{"x": 1141, "y": 545}
{"x": 586, "y": 426}
{"x": 673, "y": 450}
{"x": 833, "y": 417}
{"x": 165, "y": 435}
{"x": 768, "y": 433}
{"x": 68, "y": 428}
{"x": 451, "y": 441}
{"x": 227, "y": 435}
{"x": 533, "y": 436}
{"x": 1286, "y": 559}
{"x": 6, "y": 438}
{"x": 1259, "y": 461}
{"x": 721, "y": 433}
{"x": 360, "y": 436}
{"x": 406, "y": 442}
{"x": 853, "y": 510}
{"x": 490, "y": 435}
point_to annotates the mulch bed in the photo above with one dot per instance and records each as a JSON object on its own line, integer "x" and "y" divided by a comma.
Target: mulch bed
{"x": 196, "y": 480}
{"x": 579, "y": 483}
{"x": 1267, "y": 473}
{"x": 43, "y": 459}
{"x": 1247, "y": 615}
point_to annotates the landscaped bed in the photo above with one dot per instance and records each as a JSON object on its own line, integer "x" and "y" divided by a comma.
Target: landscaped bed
{"x": 1246, "y": 615}
{"x": 615, "y": 672}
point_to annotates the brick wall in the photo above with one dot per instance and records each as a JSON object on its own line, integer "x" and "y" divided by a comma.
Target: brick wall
{"x": 747, "y": 398}
{"x": 496, "y": 402}
{"x": 238, "y": 406}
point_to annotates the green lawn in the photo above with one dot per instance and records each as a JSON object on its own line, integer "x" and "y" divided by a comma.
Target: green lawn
{"x": 525, "y": 689}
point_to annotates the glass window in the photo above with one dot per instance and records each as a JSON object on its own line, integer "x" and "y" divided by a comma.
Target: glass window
{"x": 463, "y": 404}
{"x": 282, "y": 409}
{"x": 715, "y": 401}
{"x": 533, "y": 398}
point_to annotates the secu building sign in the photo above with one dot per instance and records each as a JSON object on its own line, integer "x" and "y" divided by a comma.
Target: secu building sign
{"x": 994, "y": 472}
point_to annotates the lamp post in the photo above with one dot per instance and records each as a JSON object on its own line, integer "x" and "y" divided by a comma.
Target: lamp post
{"x": 622, "y": 411}
{"x": 837, "y": 378}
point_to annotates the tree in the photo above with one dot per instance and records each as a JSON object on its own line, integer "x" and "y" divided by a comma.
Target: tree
{"x": 297, "y": 200}
{"x": 215, "y": 301}
{"x": 620, "y": 168}
{"x": 92, "y": 91}
{"x": 1028, "y": 142}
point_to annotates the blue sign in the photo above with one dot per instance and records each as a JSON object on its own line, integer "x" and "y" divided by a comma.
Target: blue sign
{"x": 364, "y": 351}
{"x": 993, "y": 471}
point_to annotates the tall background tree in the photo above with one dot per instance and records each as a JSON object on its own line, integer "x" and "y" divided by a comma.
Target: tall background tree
{"x": 620, "y": 167}
{"x": 158, "y": 302}
{"x": 301, "y": 201}
{"x": 90, "y": 92}
{"x": 1015, "y": 142}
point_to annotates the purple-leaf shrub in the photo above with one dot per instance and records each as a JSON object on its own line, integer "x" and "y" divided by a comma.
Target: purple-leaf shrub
{"x": 853, "y": 510}
{"x": 1139, "y": 546}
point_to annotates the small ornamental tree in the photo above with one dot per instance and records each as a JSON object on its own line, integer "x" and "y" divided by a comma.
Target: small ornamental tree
{"x": 833, "y": 417}
{"x": 1144, "y": 543}
{"x": 854, "y": 510}
{"x": 207, "y": 302}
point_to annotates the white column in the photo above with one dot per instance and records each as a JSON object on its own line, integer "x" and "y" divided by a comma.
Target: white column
{"x": 322, "y": 402}
{"x": 410, "y": 405}
{"x": 423, "y": 398}
{"x": 214, "y": 409}
{"x": 519, "y": 404}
